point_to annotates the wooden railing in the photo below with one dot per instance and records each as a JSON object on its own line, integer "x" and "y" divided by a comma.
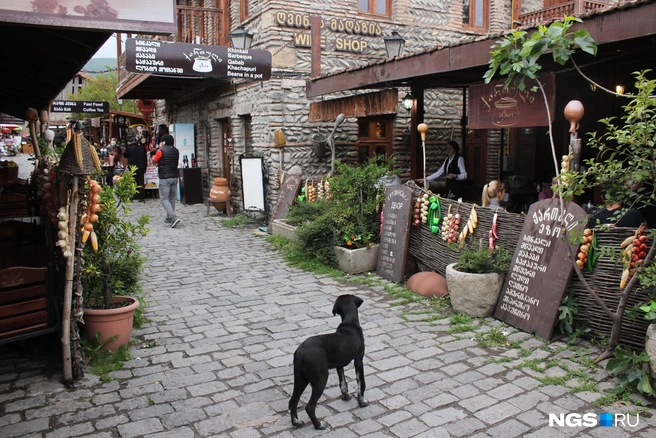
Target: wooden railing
{"x": 200, "y": 26}
{"x": 574, "y": 7}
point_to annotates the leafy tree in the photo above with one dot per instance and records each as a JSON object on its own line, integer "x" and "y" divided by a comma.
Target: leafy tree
{"x": 102, "y": 88}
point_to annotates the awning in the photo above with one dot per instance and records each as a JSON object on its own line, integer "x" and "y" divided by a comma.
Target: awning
{"x": 624, "y": 33}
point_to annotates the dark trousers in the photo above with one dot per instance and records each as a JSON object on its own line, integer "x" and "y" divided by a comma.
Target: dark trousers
{"x": 139, "y": 178}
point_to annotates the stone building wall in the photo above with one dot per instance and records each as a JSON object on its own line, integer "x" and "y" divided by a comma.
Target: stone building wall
{"x": 281, "y": 102}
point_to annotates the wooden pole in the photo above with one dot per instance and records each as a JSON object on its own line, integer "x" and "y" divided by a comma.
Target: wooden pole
{"x": 35, "y": 142}
{"x": 422, "y": 128}
{"x": 315, "y": 51}
{"x": 68, "y": 288}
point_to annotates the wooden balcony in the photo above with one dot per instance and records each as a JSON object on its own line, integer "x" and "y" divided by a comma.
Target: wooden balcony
{"x": 575, "y": 7}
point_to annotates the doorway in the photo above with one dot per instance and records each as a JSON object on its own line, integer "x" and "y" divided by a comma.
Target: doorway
{"x": 476, "y": 159}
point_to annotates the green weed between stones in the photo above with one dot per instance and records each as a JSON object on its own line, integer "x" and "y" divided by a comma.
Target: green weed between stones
{"x": 102, "y": 361}
{"x": 239, "y": 220}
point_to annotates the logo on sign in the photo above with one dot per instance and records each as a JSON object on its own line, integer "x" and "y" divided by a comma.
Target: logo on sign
{"x": 202, "y": 60}
{"x": 589, "y": 419}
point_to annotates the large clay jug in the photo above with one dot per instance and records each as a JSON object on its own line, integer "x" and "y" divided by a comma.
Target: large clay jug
{"x": 220, "y": 193}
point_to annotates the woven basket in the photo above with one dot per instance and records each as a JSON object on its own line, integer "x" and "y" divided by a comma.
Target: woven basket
{"x": 68, "y": 163}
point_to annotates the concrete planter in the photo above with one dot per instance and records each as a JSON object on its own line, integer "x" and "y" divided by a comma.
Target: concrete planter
{"x": 280, "y": 227}
{"x": 356, "y": 261}
{"x": 650, "y": 348}
{"x": 473, "y": 294}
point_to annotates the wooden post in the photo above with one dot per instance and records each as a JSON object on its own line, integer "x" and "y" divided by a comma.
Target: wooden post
{"x": 422, "y": 128}
{"x": 35, "y": 142}
{"x": 68, "y": 287}
{"x": 315, "y": 33}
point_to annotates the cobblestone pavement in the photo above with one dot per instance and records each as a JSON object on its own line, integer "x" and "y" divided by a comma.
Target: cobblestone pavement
{"x": 215, "y": 359}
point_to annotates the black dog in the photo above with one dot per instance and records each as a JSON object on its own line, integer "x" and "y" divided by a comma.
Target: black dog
{"x": 316, "y": 355}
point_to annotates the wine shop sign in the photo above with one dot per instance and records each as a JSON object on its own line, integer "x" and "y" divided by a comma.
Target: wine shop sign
{"x": 541, "y": 267}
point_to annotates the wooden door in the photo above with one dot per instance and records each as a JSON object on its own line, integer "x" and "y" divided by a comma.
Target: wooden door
{"x": 225, "y": 152}
{"x": 374, "y": 138}
{"x": 476, "y": 157}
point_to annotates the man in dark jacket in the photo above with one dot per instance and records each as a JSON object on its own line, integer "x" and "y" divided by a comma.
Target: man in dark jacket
{"x": 167, "y": 170}
{"x": 136, "y": 155}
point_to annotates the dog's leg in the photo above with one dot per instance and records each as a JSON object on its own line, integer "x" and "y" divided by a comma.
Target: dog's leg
{"x": 300, "y": 383}
{"x": 343, "y": 386}
{"x": 359, "y": 375}
{"x": 318, "y": 386}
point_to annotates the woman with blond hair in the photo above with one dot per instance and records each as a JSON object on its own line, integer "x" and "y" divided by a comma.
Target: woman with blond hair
{"x": 493, "y": 194}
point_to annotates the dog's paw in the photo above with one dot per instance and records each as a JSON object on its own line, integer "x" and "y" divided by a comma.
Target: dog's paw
{"x": 346, "y": 396}
{"x": 322, "y": 425}
{"x": 297, "y": 422}
{"x": 362, "y": 402}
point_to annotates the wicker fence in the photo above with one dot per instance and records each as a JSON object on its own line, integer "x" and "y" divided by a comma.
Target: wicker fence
{"x": 432, "y": 253}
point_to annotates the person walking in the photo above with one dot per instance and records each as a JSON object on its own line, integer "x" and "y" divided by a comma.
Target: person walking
{"x": 136, "y": 155}
{"x": 167, "y": 170}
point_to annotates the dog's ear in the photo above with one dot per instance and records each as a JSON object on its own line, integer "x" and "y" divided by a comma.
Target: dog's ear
{"x": 358, "y": 301}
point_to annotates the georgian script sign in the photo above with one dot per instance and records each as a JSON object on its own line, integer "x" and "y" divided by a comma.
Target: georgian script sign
{"x": 396, "y": 233}
{"x": 541, "y": 267}
{"x": 182, "y": 59}
{"x": 491, "y": 106}
{"x": 288, "y": 191}
{"x": 79, "y": 106}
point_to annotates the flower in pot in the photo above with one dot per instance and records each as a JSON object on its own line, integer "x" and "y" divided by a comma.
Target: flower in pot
{"x": 111, "y": 273}
{"x": 475, "y": 280}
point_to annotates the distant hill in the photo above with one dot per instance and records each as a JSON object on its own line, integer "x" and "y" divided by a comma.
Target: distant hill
{"x": 99, "y": 65}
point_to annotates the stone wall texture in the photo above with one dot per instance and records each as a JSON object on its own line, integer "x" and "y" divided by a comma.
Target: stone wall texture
{"x": 259, "y": 108}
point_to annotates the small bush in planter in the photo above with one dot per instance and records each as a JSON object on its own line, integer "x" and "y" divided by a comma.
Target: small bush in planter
{"x": 483, "y": 261}
{"x": 115, "y": 268}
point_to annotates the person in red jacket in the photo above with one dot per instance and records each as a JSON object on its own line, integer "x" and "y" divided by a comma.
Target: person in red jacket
{"x": 167, "y": 170}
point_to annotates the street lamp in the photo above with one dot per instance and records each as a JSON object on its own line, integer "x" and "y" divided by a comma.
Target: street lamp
{"x": 408, "y": 101}
{"x": 241, "y": 39}
{"x": 394, "y": 44}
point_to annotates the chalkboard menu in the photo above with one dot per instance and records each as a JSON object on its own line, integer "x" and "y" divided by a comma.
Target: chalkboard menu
{"x": 396, "y": 233}
{"x": 183, "y": 59}
{"x": 541, "y": 267}
{"x": 79, "y": 106}
{"x": 288, "y": 191}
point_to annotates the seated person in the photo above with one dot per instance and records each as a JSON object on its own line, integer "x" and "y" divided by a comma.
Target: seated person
{"x": 493, "y": 194}
{"x": 453, "y": 169}
{"x": 547, "y": 192}
{"x": 614, "y": 214}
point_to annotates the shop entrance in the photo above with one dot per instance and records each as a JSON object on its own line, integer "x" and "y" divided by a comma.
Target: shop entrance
{"x": 476, "y": 160}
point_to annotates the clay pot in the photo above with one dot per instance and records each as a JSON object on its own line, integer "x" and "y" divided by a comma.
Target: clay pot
{"x": 220, "y": 193}
{"x": 573, "y": 113}
{"x": 428, "y": 284}
{"x": 111, "y": 322}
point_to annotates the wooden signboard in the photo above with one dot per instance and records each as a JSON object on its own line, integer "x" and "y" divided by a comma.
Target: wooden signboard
{"x": 541, "y": 267}
{"x": 288, "y": 191}
{"x": 395, "y": 236}
{"x": 491, "y": 106}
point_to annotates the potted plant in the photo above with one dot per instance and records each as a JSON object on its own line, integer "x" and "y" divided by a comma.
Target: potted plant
{"x": 357, "y": 194}
{"x": 112, "y": 267}
{"x": 650, "y": 338}
{"x": 475, "y": 280}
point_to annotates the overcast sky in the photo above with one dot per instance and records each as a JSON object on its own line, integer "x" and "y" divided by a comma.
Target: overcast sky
{"x": 108, "y": 50}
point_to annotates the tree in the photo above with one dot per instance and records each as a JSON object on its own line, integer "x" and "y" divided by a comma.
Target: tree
{"x": 102, "y": 88}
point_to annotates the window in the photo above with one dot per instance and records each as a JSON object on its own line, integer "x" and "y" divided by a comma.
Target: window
{"x": 375, "y": 7}
{"x": 475, "y": 14}
{"x": 244, "y": 10}
{"x": 374, "y": 138}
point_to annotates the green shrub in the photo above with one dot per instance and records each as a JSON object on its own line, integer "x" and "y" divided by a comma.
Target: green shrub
{"x": 483, "y": 261}
{"x": 316, "y": 239}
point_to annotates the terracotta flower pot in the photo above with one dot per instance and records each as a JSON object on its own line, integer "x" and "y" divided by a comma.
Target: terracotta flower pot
{"x": 110, "y": 322}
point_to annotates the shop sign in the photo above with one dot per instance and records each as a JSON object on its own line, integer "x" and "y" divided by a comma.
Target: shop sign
{"x": 493, "y": 106}
{"x": 342, "y": 44}
{"x": 288, "y": 191}
{"x": 151, "y": 178}
{"x": 79, "y": 106}
{"x": 143, "y": 16}
{"x": 183, "y": 59}
{"x": 395, "y": 233}
{"x": 541, "y": 267}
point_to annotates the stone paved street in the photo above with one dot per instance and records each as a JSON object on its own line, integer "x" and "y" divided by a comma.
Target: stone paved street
{"x": 215, "y": 359}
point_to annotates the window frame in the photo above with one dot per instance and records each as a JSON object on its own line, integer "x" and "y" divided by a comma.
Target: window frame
{"x": 244, "y": 10}
{"x": 371, "y": 142}
{"x": 472, "y": 17}
{"x": 371, "y": 10}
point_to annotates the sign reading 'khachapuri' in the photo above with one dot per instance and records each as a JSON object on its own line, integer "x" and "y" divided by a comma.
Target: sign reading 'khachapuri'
{"x": 182, "y": 59}
{"x": 541, "y": 267}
